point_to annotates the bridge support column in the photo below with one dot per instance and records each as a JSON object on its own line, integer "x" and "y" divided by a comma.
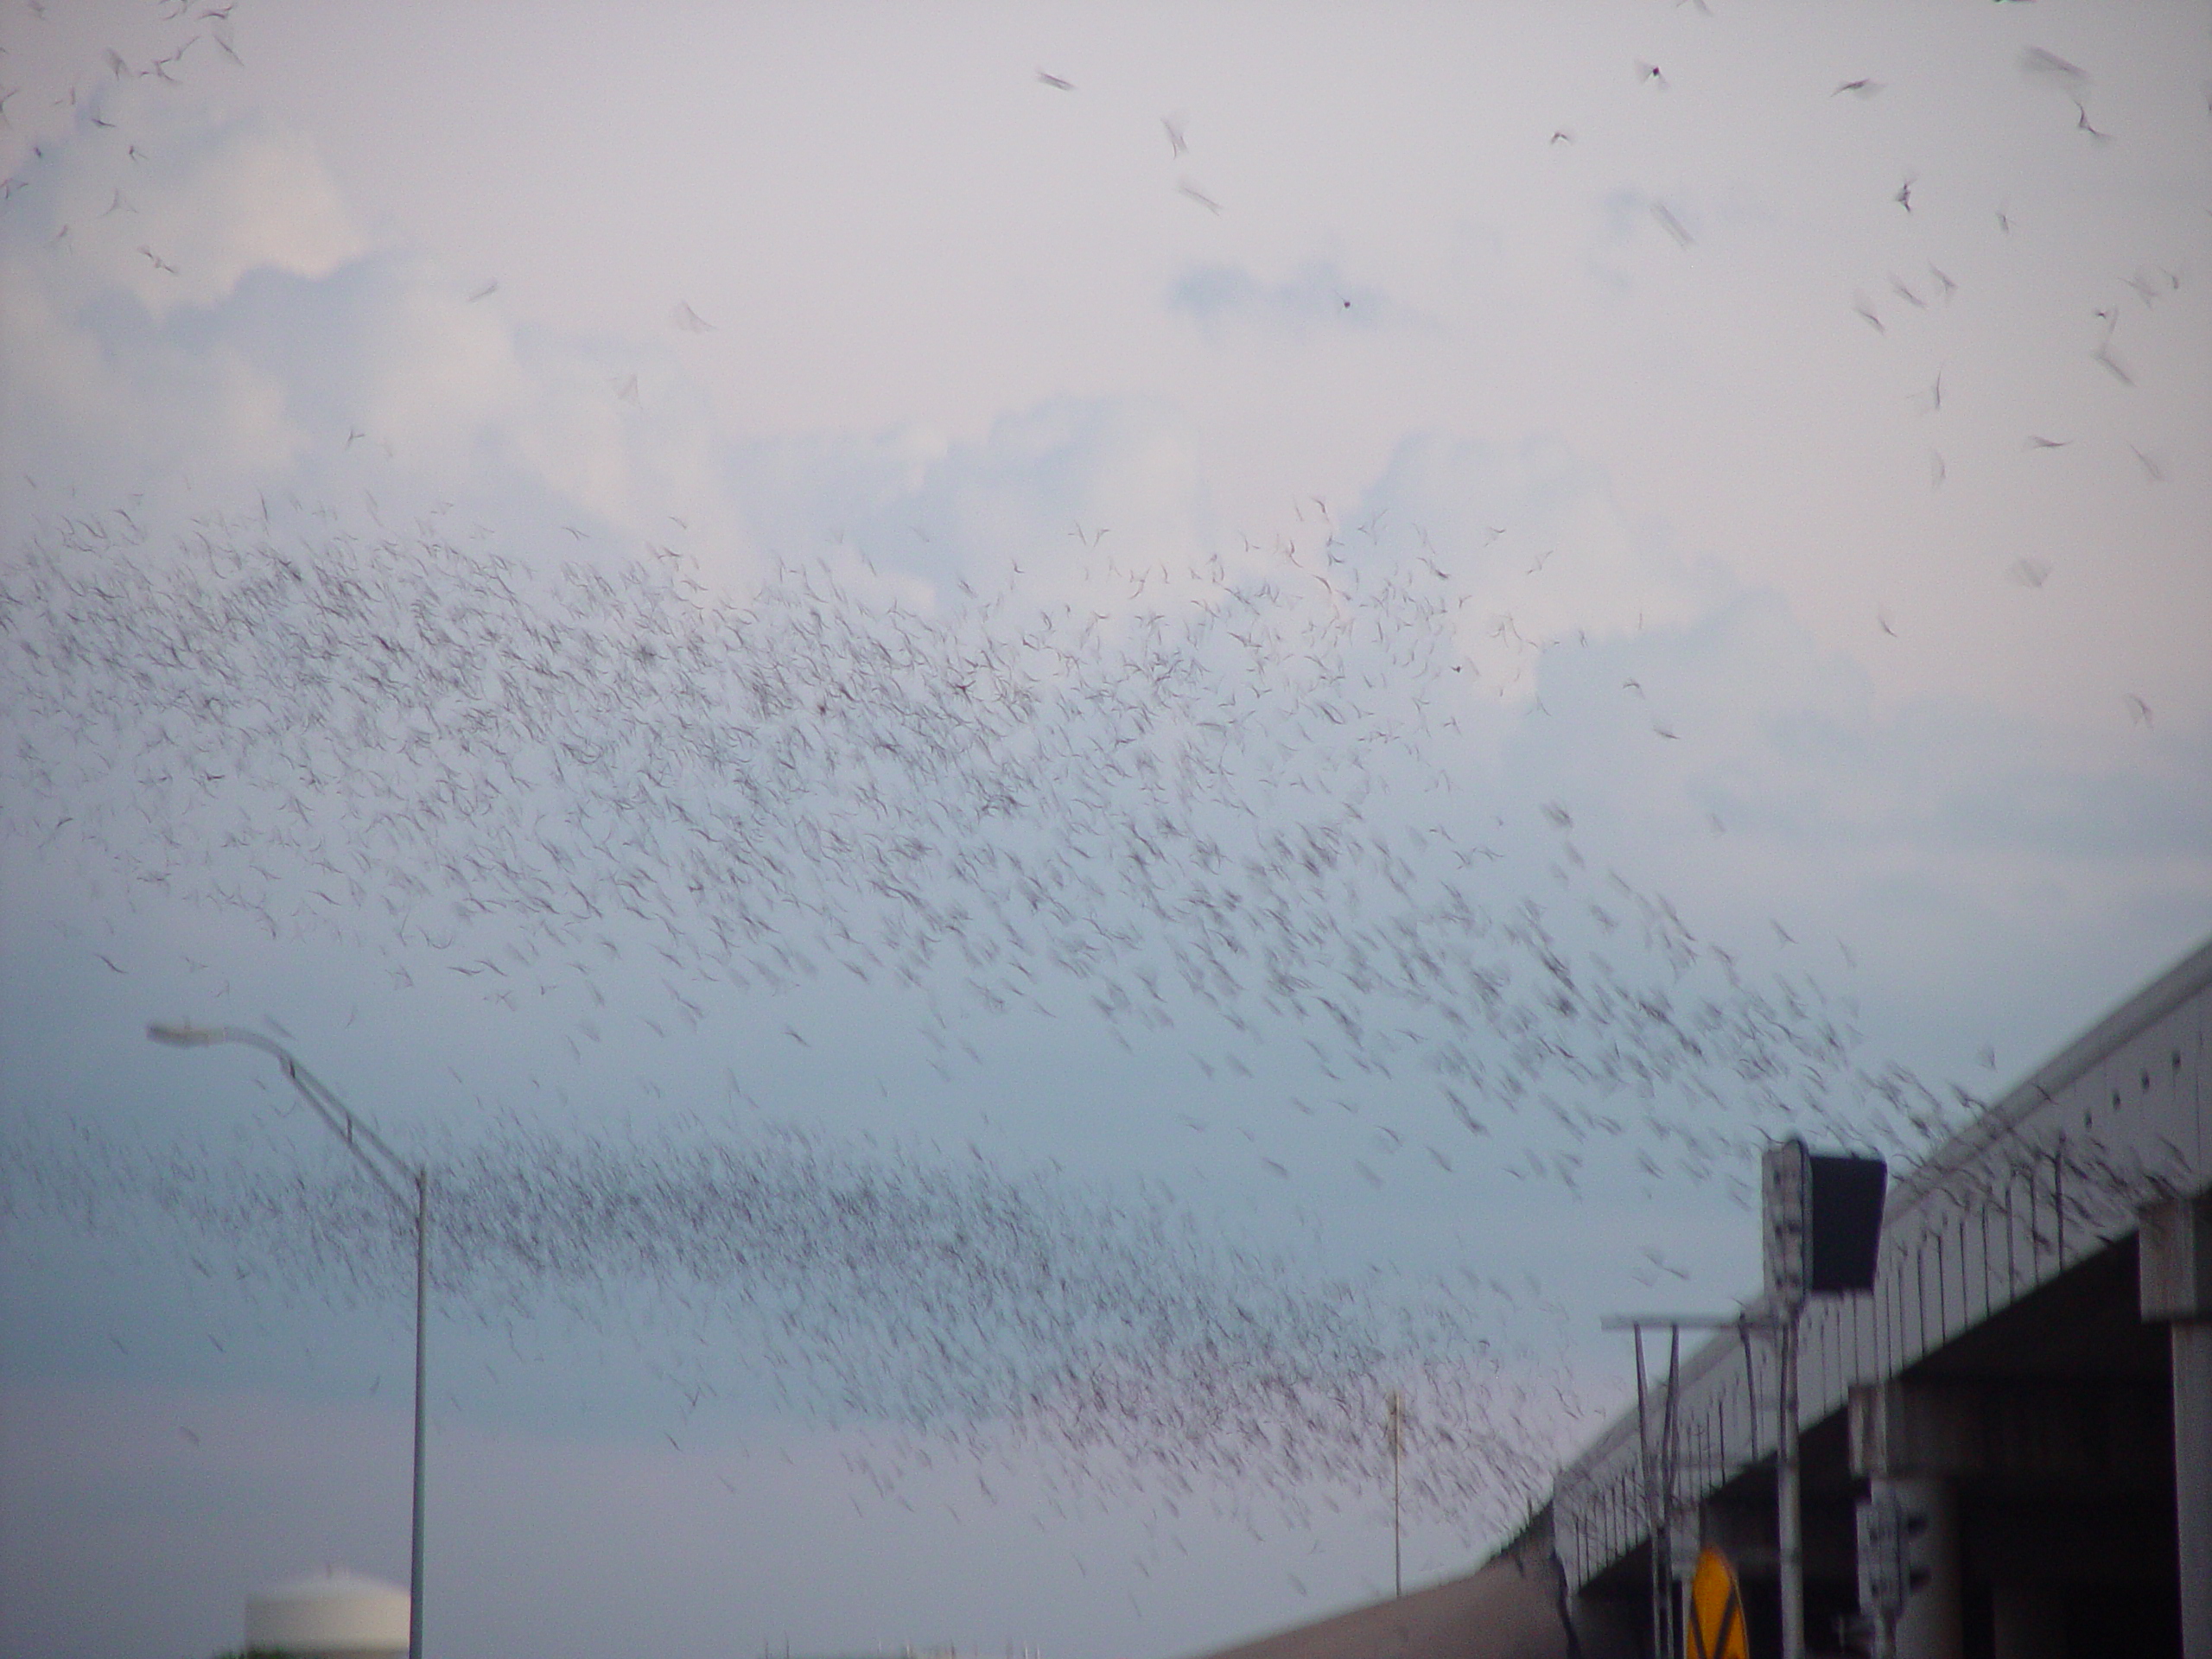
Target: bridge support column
{"x": 2176, "y": 1256}
{"x": 2192, "y": 1341}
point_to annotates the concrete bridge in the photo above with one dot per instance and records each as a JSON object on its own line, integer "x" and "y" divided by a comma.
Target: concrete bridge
{"x": 2030, "y": 1377}
{"x": 2029, "y": 1381}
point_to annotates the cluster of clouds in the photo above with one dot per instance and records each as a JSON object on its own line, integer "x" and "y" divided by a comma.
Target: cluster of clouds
{"x": 197, "y": 322}
{"x": 200, "y": 324}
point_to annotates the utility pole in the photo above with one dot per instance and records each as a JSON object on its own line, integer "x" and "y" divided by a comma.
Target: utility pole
{"x": 1397, "y": 1448}
{"x": 422, "y": 1393}
{"x": 1660, "y": 1468}
{"x": 1785, "y": 1213}
{"x": 1653, "y": 1514}
{"x": 1821, "y": 1217}
{"x": 1788, "y": 1499}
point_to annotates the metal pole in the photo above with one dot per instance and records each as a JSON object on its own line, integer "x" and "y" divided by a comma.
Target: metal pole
{"x": 1652, "y": 1519}
{"x": 1668, "y": 1485}
{"x": 421, "y": 1321}
{"x": 394, "y": 1173}
{"x": 1788, "y": 1497}
{"x": 1659, "y": 1472}
{"x": 1397, "y": 1536}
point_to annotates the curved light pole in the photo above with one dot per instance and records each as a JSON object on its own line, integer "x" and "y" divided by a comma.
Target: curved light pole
{"x": 394, "y": 1173}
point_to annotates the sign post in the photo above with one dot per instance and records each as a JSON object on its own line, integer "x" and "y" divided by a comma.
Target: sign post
{"x": 1821, "y": 1217}
{"x": 1786, "y": 1189}
{"x": 1396, "y": 1431}
{"x": 1822, "y": 1221}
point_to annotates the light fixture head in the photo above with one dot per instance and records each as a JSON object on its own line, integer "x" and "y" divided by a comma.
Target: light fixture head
{"x": 182, "y": 1036}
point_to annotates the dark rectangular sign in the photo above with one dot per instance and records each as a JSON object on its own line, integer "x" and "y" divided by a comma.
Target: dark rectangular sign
{"x": 1845, "y": 1223}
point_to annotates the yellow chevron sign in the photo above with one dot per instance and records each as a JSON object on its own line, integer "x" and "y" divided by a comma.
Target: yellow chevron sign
{"x": 1716, "y": 1610}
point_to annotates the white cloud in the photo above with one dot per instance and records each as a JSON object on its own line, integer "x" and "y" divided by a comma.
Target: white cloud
{"x": 174, "y": 206}
{"x": 1049, "y": 493}
{"x": 1537, "y": 549}
{"x": 1315, "y": 296}
{"x": 1766, "y": 777}
{"x": 228, "y": 330}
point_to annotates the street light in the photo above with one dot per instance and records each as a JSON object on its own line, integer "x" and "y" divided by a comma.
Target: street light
{"x": 394, "y": 1173}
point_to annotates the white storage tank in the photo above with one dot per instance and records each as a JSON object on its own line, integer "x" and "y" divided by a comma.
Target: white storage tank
{"x": 332, "y": 1614}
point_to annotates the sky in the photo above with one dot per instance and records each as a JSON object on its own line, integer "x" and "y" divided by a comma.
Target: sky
{"x": 1033, "y": 743}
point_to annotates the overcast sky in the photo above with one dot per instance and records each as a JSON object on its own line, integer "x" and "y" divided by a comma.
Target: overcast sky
{"x": 1741, "y": 471}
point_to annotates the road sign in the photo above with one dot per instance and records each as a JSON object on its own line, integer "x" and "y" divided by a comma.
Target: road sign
{"x": 1892, "y": 1551}
{"x": 1716, "y": 1610}
{"x": 1821, "y": 1218}
{"x": 1881, "y": 1557}
{"x": 1785, "y": 1174}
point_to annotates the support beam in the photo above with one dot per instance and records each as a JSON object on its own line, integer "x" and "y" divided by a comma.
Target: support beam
{"x": 2088, "y": 1441}
{"x": 2192, "y": 1341}
{"x": 2175, "y": 1257}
